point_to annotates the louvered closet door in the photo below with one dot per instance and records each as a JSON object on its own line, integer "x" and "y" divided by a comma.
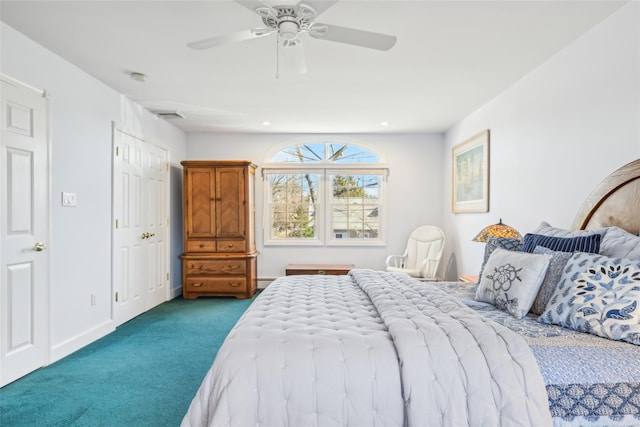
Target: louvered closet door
{"x": 24, "y": 232}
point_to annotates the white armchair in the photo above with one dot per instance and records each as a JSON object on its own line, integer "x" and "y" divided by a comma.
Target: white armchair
{"x": 422, "y": 256}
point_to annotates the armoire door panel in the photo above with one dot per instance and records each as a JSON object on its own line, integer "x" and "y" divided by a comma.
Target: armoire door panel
{"x": 201, "y": 203}
{"x": 230, "y": 207}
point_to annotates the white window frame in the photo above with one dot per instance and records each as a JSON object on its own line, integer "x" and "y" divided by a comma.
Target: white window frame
{"x": 324, "y": 232}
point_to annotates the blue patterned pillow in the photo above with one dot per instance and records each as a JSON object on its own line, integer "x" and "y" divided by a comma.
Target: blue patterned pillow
{"x": 511, "y": 280}
{"x": 598, "y": 295}
{"x": 493, "y": 243}
{"x": 590, "y": 244}
{"x": 551, "y": 279}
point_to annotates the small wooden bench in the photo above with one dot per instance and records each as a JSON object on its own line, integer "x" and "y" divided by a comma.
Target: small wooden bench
{"x": 322, "y": 269}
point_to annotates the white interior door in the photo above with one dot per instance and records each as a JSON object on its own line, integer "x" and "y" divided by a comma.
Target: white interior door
{"x": 156, "y": 214}
{"x": 140, "y": 246}
{"x": 128, "y": 240}
{"x": 24, "y": 232}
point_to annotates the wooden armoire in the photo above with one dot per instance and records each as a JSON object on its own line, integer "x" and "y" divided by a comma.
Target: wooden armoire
{"x": 220, "y": 257}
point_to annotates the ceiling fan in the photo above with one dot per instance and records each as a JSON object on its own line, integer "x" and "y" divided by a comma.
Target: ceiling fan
{"x": 288, "y": 22}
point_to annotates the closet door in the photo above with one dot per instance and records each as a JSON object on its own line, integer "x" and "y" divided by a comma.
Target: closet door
{"x": 156, "y": 220}
{"x": 140, "y": 236}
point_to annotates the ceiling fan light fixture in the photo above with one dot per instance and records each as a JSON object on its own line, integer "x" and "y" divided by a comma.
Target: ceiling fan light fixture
{"x": 288, "y": 29}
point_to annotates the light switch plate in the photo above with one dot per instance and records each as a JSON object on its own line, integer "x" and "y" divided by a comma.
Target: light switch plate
{"x": 69, "y": 199}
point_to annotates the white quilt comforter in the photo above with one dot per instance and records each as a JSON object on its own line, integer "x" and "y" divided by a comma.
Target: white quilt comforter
{"x": 368, "y": 349}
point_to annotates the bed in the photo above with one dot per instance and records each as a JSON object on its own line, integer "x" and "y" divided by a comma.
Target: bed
{"x": 382, "y": 349}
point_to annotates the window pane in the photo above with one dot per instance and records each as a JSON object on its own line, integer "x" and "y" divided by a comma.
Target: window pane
{"x": 293, "y": 205}
{"x": 341, "y": 153}
{"x": 354, "y": 208}
{"x": 307, "y": 153}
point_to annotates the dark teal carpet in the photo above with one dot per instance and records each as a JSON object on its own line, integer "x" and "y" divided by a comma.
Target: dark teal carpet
{"x": 143, "y": 374}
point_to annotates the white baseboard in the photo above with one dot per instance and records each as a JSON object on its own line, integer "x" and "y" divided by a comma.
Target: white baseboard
{"x": 65, "y": 348}
{"x": 175, "y": 292}
{"x": 263, "y": 282}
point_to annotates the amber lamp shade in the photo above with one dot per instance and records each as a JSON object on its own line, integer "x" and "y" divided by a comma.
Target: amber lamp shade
{"x": 497, "y": 230}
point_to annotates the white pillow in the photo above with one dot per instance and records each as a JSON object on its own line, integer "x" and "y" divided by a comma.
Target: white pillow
{"x": 511, "y": 280}
{"x": 548, "y": 230}
{"x": 617, "y": 243}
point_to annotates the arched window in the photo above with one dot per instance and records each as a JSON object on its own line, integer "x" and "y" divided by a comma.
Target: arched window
{"x": 324, "y": 193}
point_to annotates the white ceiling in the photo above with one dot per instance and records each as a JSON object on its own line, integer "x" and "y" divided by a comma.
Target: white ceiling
{"x": 450, "y": 58}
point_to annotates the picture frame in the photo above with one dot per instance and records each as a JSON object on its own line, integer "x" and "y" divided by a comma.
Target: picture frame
{"x": 470, "y": 173}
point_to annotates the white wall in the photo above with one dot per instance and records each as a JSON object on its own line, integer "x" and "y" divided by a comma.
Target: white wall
{"x": 414, "y": 190}
{"x": 82, "y": 111}
{"x": 555, "y": 134}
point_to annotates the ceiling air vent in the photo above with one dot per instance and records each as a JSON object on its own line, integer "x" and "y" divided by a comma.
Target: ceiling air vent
{"x": 169, "y": 114}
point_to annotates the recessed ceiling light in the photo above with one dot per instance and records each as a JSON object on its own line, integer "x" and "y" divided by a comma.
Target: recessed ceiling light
{"x": 139, "y": 77}
{"x": 266, "y": 123}
{"x": 384, "y": 124}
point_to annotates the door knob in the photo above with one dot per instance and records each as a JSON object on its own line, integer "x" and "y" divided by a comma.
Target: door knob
{"x": 39, "y": 247}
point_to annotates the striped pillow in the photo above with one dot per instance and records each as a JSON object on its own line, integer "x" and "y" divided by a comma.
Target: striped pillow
{"x": 589, "y": 244}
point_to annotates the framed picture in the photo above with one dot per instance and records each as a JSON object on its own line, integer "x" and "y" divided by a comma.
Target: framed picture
{"x": 470, "y": 189}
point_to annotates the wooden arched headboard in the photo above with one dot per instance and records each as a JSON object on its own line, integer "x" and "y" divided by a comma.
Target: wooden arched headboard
{"x": 615, "y": 202}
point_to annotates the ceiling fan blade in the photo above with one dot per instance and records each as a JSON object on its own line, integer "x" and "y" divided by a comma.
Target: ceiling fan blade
{"x": 318, "y": 5}
{"x": 292, "y": 57}
{"x": 352, "y": 36}
{"x": 229, "y": 38}
{"x": 258, "y": 7}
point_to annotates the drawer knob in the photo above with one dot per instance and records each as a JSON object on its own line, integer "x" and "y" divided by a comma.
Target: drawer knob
{"x": 322, "y": 272}
{"x": 234, "y": 284}
{"x": 202, "y": 245}
{"x": 197, "y": 285}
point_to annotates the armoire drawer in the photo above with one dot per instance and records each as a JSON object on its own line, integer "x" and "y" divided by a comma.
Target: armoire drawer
{"x": 231, "y": 246}
{"x": 215, "y": 284}
{"x": 220, "y": 267}
{"x": 201, "y": 246}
